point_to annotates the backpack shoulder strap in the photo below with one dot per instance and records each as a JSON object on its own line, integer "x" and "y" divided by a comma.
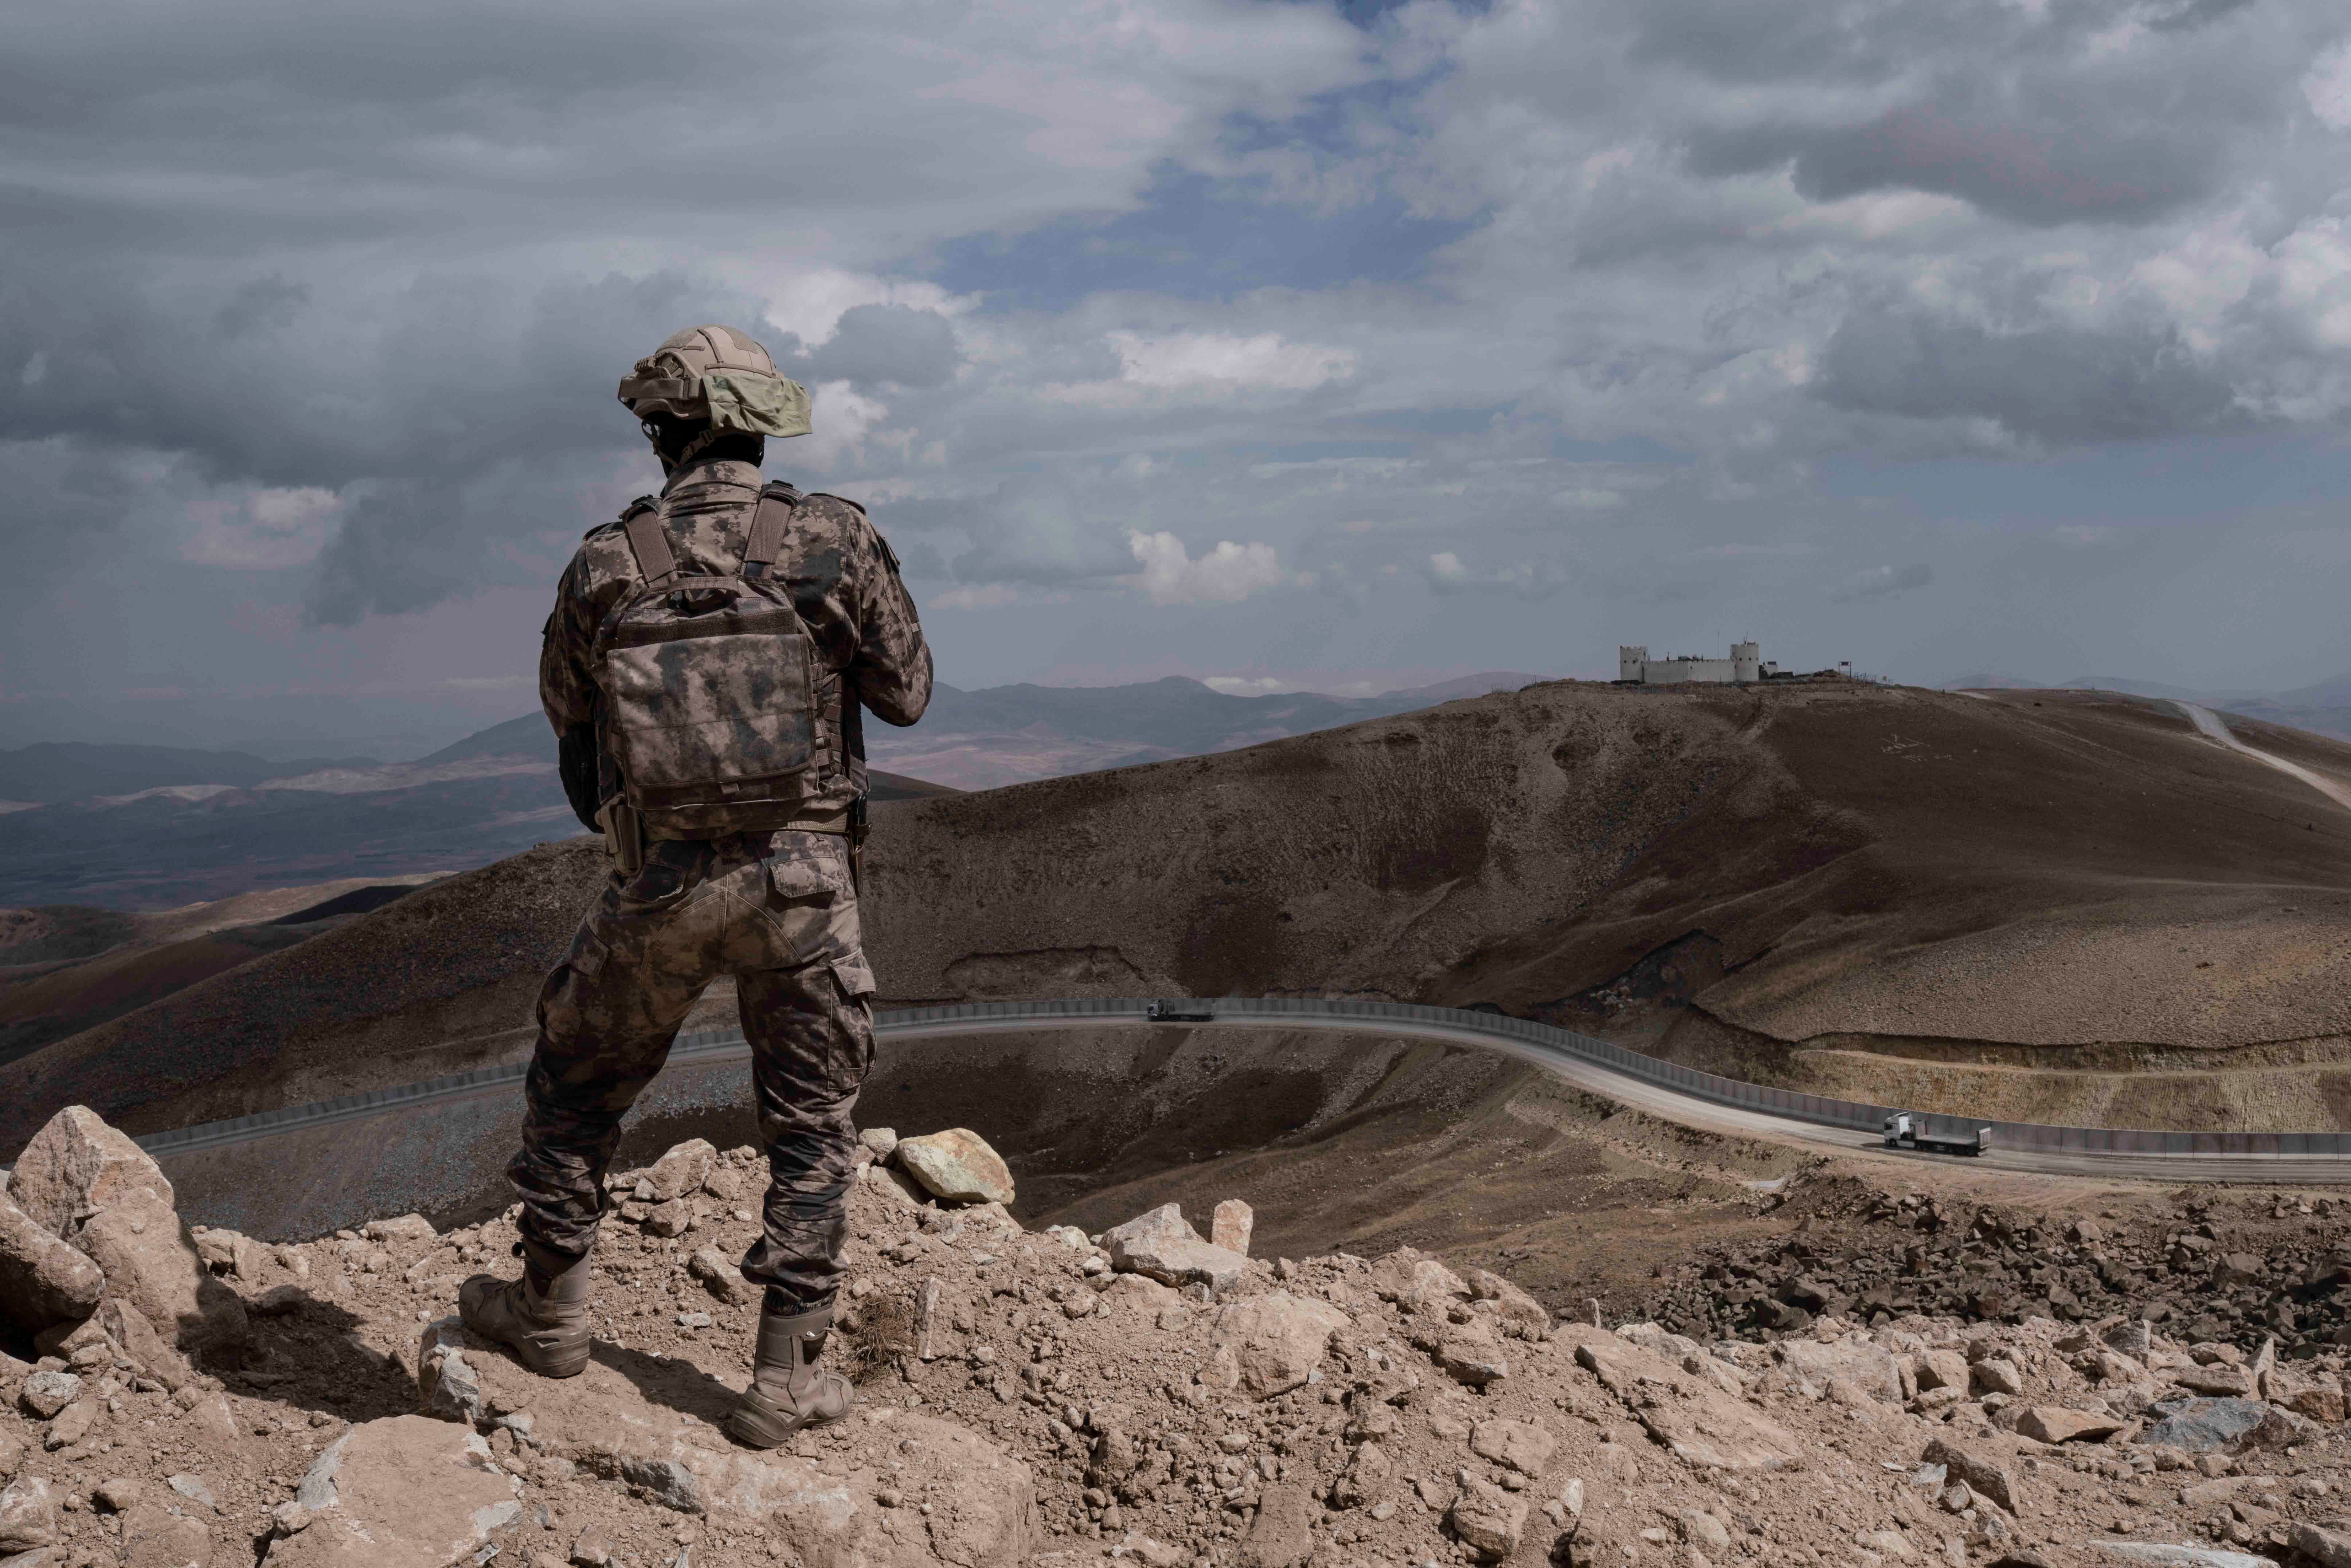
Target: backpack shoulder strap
{"x": 766, "y": 540}
{"x": 650, "y": 543}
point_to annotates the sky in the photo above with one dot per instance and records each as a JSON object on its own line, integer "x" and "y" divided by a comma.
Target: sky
{"x": 1284, "y": 345}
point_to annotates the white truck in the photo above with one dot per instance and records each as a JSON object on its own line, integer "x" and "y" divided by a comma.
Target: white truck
{"x": 1907, "y": 1130}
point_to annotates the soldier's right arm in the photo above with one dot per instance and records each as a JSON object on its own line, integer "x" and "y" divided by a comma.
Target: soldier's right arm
{"x": 567, "y": 692}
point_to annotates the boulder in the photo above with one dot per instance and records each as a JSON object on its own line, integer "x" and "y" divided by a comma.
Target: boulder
{"x": 1162, "y": 1245}
{"x": 2326, "y": 1548}
{"x": 1232, "y": 1225}
{"x": 402, "y": 1229}
{"x": 127, "y": 1327}
{"x": 1521, "y": 1314}
{"x": 28, "y": 1516}
{"x": 1277, "y": 1339}
{"x": 2305, "y": 1390}
{"x": 1414, "y": 1281}
{"x": 681, "y": 1170}
{"x": 1994, "y": 1375}
{"x": 2218, "y": 1379}
{"x": 1521, "y": 1444}
{"x": 2204, "y": 1426}
{"x": 1941, "y": 1369}
{"x": 47, "y": 1392}
{"x": 1980, "y": 1468}
{"x": 1489, "y": 1519}
{"x": 958, "y": 1167}
{"x": 406, "y": 1491}
{"x": 42, "y": 1280}
{"x": 1865, "y": 1367}
{"x": 77, "y": 1165}
{"x": 1282, "y": 1535}
{"x": 154, "y": 1537}
{"x": 719, "y": 1275}
{"x": 1470, "y": 1353}
{"x": 150, "y": 1261}
{"x": 2056, "y": 1424}
{"x": 882, "y": 1141}
{"x": 1698, "y": 1421}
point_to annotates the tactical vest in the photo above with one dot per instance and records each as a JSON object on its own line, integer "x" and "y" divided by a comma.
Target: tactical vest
{"x": 709, "y": 684}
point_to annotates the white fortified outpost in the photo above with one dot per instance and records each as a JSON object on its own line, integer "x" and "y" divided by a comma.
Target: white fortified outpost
{"x": 1635, "y": 668}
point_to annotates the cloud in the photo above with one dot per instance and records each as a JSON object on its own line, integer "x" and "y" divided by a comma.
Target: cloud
{"x": 1225, "y": 575}
{"x": 261, "y": 528}
{"x": 1882, "y": 583}
{"x": 1526, "y": 580}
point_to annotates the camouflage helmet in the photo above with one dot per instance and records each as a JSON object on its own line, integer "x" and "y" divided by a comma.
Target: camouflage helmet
{"x": 718, "y": 374}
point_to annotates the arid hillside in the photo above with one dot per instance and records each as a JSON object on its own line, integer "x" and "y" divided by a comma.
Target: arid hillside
{"x": 2048, "y": 897}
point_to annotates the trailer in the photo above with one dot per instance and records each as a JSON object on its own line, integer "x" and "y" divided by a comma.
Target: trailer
{"x": 1179, "y": 1012}
{"x": 1907, "y": 1130}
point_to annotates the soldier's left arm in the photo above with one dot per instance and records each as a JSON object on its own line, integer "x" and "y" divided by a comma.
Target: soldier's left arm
{"x": 892, "y": 666}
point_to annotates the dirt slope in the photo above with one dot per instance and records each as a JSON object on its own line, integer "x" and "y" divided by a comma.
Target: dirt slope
{"x": 1822, "y": 873}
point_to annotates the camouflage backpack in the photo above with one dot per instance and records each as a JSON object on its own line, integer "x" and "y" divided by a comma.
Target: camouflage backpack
{"x": 709, "y": 682}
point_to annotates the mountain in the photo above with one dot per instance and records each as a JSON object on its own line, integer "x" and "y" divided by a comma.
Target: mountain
{"x": 2052, "y": 905}
{"x": 73, "y": 769}
{"x": 1012, "y": 735}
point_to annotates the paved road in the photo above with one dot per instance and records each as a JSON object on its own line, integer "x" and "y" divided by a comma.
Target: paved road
{"x": 1479, "y": 1031}
{"x": 2206, "y": 721}
{"x": 1669, "y": 1104}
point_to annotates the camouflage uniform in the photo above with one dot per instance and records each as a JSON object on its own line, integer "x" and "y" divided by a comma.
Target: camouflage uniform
{"x": 775, "y": 909}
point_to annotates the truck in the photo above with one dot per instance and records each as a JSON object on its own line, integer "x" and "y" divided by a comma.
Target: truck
{"x": 1907, "y": 1130}
{"x": 1179, "y": 1012}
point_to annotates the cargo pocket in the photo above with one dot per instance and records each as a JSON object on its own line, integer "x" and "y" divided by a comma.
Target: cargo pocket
{"x": 800, "y": 880}
{"x": 856, "y": 980}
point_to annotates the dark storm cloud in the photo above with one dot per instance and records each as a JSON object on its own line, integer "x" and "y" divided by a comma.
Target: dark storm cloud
{"x": 889, "y": 345}
{"x": 2034, "y": 172}
{"x": 2050, "y": 384}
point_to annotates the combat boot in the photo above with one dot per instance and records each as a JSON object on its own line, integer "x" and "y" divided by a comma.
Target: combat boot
{"x": 786, "y": 1391}
{"x": 542, "y": 1317}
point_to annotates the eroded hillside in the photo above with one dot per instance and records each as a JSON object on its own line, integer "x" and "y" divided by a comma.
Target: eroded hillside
{"x": 1819, "y": 882}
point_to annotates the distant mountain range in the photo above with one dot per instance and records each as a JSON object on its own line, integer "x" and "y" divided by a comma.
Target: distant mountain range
{"x": 2323, "y": 708}
{"x": 146, "y": 827}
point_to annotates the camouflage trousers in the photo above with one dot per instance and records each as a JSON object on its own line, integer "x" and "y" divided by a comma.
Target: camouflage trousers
{"x": 777, "y": 911}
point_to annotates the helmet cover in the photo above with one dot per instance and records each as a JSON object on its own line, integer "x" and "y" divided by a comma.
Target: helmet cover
{"x": 718, "y": 374}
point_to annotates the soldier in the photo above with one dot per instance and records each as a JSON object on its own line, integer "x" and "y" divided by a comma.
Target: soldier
{"x": 704, "y": 669}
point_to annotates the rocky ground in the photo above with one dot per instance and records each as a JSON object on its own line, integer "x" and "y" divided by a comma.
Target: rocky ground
{"x": 1144, "y": 1394}
{"x": 2204, "y": 1264}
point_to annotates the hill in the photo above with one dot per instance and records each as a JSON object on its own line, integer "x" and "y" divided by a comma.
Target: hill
{"x": 74, "y": 770}
{"x": 2066, "y": 901}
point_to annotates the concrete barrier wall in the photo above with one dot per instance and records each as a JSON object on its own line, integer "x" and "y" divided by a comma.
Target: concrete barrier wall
{"x": 433, "y": 1142}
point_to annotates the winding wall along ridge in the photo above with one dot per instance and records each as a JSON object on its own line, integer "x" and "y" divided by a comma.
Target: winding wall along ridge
{"x": 2312, "y": 1156}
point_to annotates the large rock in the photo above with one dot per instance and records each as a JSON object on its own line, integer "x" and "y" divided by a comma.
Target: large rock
{"x": 2203, "y": 1425}
{"x": 2056, "y": 1424}
{"x": 957, "y": 1166}
{"x": 155, "y": 1537}
{"x": 1867, "y": 1367}
{"x": 1489, "y": 1519}
{"x": 77, "y": 1165}
{"x": 681, "y": 1170}
{"x": 1232, "y": 1226}
{"x": 2305, "y": 1390}
{"x": 1282, "y": 1535}
{"x": 1980, "y": 1468}
{"x": 42, "y": 1280}
{"x": 656, "y": 1428}
{"x": 1698, "y": 1421}
{"x": 406, "y": 1491}
{"x": 1521, "y": 1316}
{"x": 150, "y": 1261}
{"x": 1416, "y": 1281}
{"x": 1162, "y": 1245}
{"x": 1941, "y": 1369}
{"x": 28, "y": 1515}
{"x": 132, "y": 1335}
{"x": 1277, "y": 1339}
{"x": 1521, "y": 1444}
